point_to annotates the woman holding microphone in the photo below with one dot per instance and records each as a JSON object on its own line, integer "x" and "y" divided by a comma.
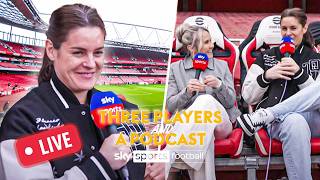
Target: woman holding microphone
{"x": 72, "y": 63}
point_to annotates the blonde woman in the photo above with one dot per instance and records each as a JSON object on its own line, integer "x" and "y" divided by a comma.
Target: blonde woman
{"x": 213, "y": 91}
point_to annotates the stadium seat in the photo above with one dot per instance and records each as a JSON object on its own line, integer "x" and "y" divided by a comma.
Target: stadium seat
{"x": 224, "y": 49}
{"x": 227, "y": 51}
{"x": 263, "y": 36}
{"x": 263, "y": 143}
{"x": 314, "y": 29}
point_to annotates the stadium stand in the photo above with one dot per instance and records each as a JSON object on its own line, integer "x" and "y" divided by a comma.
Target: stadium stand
{"x": 21, "y": 56}
{"x": 128, "y": 71}
{"x": 130, "y": 79}
{"x": 152, "y": 79}
{"x": 13, "y": 83}
{"x": 113, "y": 80}
{"x": 236, "y": 25}
{"x": 9, "y": 65}
{"x": 16, "y": 49}
{"x": 17, "y": 58}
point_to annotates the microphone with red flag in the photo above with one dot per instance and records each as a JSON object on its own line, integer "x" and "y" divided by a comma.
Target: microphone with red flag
{"x": 287, "y": 46}
{"x": 101, "y": 104}
{"x": 200, "y": 63}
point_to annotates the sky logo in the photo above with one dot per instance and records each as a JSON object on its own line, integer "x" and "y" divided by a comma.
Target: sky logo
{"x": 106, "y": 100}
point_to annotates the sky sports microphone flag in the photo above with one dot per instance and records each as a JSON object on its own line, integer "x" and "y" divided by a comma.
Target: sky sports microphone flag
{"x": 287, "y": 46}
{"x": 200, "y": 63}
{"x": 100, "y": 105}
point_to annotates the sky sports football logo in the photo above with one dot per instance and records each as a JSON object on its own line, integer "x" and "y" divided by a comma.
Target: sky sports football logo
{"x": 139, "y": 156}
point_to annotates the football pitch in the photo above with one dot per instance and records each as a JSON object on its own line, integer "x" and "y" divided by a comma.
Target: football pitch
{"x": 147, "y": 97}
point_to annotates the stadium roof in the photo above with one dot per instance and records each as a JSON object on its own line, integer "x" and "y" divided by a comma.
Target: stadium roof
{"x": 146, "y": 23}
{"x": 127, "y": 22}
{"x": 21, "y": 13}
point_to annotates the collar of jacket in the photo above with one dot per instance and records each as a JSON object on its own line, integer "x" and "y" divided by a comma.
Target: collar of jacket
{"x": 299, "y": 49}
{"x": 65, "y": 94}
{"x": 189, "y": 65}
{"x": 301, "y": 53}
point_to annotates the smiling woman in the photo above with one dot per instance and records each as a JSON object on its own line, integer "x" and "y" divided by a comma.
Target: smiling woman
{"x": 72, "y": 63}
{"x": 79, "y": 60}
{"x": 274, "y": 78}
{"x": 212, "y": 91}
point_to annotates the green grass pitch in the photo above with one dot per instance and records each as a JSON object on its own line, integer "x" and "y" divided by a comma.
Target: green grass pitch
{"x": 147, "y": 97}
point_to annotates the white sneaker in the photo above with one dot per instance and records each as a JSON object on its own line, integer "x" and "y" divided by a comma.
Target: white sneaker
{"x": 251, "y": 123}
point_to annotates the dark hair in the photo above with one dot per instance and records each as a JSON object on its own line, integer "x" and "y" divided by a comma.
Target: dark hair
{"x": 302, "y": 18}
{"x": 62, "y": 21}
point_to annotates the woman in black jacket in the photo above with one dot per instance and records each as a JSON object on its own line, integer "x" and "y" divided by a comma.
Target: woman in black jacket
{"x": 272, "y": 79}
{"x": 72, "y": 63}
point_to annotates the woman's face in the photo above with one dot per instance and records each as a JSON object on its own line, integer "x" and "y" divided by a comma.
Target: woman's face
{"x": 207, "y": 45}
{"x": 290, "y": 26}
{"x": 79, "y": 60}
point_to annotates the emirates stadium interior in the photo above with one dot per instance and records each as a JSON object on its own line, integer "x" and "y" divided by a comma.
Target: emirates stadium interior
{"x": 135, "y": 56}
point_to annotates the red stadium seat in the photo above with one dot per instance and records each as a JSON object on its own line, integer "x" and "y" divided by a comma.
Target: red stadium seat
{"x": 231, "y": 146}
{"x": 266, "y": 36}
{"x": 227, "y": 51}
{"x": 224, "y": 48}
{"x": 263, "y": 143}
{"x": 314, "y": 29}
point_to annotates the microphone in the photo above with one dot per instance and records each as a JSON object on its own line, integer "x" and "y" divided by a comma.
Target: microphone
{"x": 106, "y": 101}
{"x": 287, "y": 46}
{"x": 200, "y": 63}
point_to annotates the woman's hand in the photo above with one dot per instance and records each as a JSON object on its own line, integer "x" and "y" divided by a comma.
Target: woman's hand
{"x": 195, "y": 85}
{"x": 155, "y": 171}
{"x": 109, "y": 148}
{"x": 282, "y": 70}
{"x": 289, "y": 62}
{"x": 212, "y": 81}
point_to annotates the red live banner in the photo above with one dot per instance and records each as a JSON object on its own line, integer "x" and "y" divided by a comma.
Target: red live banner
{"x": 47, "y": 145}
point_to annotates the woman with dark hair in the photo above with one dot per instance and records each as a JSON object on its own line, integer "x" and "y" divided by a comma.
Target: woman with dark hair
{"x": 72, "y": 63}
{"x": 274, "y": 78}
